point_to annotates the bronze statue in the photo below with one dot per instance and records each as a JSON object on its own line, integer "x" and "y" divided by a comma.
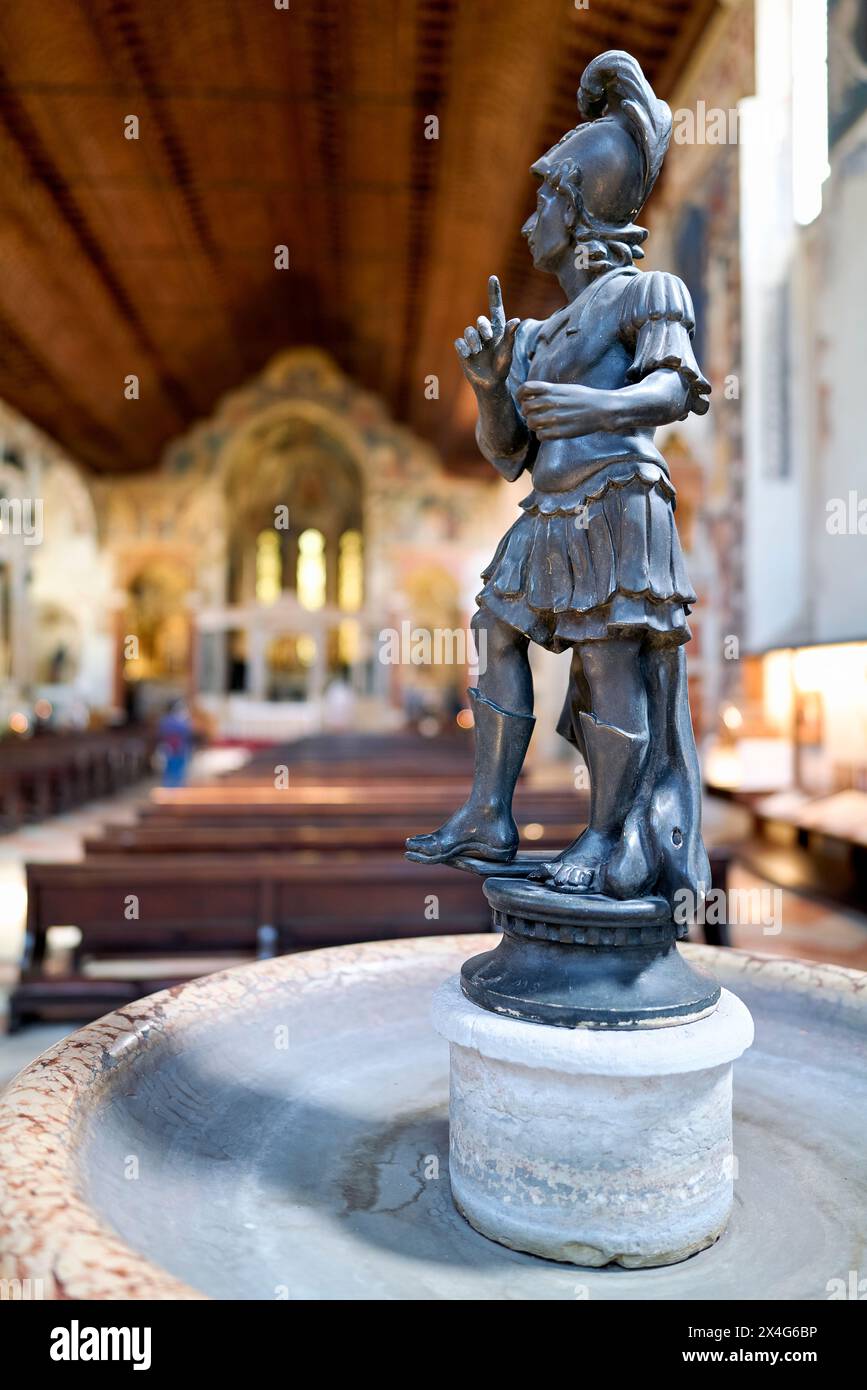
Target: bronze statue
{"x": 594, "y": 563}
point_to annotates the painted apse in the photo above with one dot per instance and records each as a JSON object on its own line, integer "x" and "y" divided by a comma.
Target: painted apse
{"x": 295, "y": 542}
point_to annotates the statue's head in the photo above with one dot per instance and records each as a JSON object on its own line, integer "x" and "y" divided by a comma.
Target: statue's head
{"x": 597, "y": 178}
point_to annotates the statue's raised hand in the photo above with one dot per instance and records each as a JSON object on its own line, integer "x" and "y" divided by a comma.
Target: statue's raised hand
{"x": 486, "y": 350}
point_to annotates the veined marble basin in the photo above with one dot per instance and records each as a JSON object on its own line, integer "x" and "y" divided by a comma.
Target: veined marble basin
{"x": 279, "y": 1131}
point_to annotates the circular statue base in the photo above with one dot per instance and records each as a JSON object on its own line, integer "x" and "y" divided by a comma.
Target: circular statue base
{"x": 590, "y": 1146}
{"x": 585, "y": 961}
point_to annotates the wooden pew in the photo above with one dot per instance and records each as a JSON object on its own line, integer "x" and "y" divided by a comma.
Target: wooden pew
{"x": 207, "y": 903}
{"x": 186, "y": 904}
{"x": 409, "y": 810}
{"x": 261, "y": 774}
{"x": 53, "y": 772}
{"x": 357, "y": 798}
{"x": 196, "y": 825}
{"x": 182, "y": 837}
{"x": 243, "y": 866}
{"x": 361, "y": 756}
{"x": 346, "y": 841}
{"x": 246, "y": 903}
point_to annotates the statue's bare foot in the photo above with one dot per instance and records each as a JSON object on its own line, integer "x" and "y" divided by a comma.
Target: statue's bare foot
{"x": 486, "y": 833}
{"x": 581, "y": 867}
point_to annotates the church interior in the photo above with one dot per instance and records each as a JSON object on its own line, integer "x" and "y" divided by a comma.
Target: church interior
{"x": 243, "y": 511}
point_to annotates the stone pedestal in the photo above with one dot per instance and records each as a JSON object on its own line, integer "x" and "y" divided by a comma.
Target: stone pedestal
{"x": 587, "y": 1145}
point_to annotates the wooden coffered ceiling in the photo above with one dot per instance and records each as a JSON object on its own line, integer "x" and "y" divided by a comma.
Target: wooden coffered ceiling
{"x": 261, "y": 127}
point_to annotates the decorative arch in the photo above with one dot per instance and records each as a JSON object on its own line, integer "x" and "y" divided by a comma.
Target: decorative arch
{"x": 292, "y": 469}
{"x": 300, "y": 451}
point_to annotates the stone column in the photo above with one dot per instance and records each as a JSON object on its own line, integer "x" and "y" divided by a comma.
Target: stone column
{"x": 257, "y": 639}
{"x": 587, "y": 1145}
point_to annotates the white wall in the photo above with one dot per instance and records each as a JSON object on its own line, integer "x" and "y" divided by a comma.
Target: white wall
{"x": 61, "y": 568}
{"x": 839, "y": 562}
{"x": 775, "y": 483}
{"x": 804, "y": 583}
{"x": 69, "y": 572}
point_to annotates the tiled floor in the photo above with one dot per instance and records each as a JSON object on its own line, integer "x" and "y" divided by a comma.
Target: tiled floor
{"x": 794, "y": 925}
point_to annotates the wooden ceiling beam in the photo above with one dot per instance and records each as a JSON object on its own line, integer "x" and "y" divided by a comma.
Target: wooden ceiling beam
{"x": 260, "y": 128}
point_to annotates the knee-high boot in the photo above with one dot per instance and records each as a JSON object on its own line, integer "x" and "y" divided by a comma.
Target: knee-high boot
{"x": 484, "y": 826}
{"x": 614, "y": 761}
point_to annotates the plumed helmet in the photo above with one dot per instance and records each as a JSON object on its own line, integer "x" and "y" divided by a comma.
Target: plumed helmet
{"x": 609, "y": 164}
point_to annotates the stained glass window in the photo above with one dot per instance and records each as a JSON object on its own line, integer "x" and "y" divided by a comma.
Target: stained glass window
{"x": 311, "y": 569}
{"x": 350, "y": 582}
{"x": 269, "y": 567}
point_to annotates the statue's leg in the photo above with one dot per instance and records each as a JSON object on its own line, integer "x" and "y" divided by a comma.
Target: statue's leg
{"x": 615, "y": 735}
{"x": 503, "y": 711}
{"x": 504, "y": 677}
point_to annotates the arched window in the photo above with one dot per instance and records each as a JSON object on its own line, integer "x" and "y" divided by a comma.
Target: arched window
{"x": 269, "y": 567}
{"x": 293, "y": 482}
{"x": 348, "y": 642}
{"x": 350, "y": 574}
{"x": 311, "y": 574}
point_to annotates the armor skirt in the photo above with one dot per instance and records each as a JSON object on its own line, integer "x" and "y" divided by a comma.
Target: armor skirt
{"x": 601, "y": 561}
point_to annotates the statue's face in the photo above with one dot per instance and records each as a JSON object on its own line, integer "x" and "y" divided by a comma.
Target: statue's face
{"x": 549, "y": 230}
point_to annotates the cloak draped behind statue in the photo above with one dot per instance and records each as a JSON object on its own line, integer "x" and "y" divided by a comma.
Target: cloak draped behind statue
{"x": 661, "y": 841}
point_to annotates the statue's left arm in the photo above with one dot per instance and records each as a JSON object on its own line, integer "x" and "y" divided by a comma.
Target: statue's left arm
{"x": 657, "y": 324}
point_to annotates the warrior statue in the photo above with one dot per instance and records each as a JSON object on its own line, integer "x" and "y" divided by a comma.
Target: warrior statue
{"x": 594, "y": 562}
